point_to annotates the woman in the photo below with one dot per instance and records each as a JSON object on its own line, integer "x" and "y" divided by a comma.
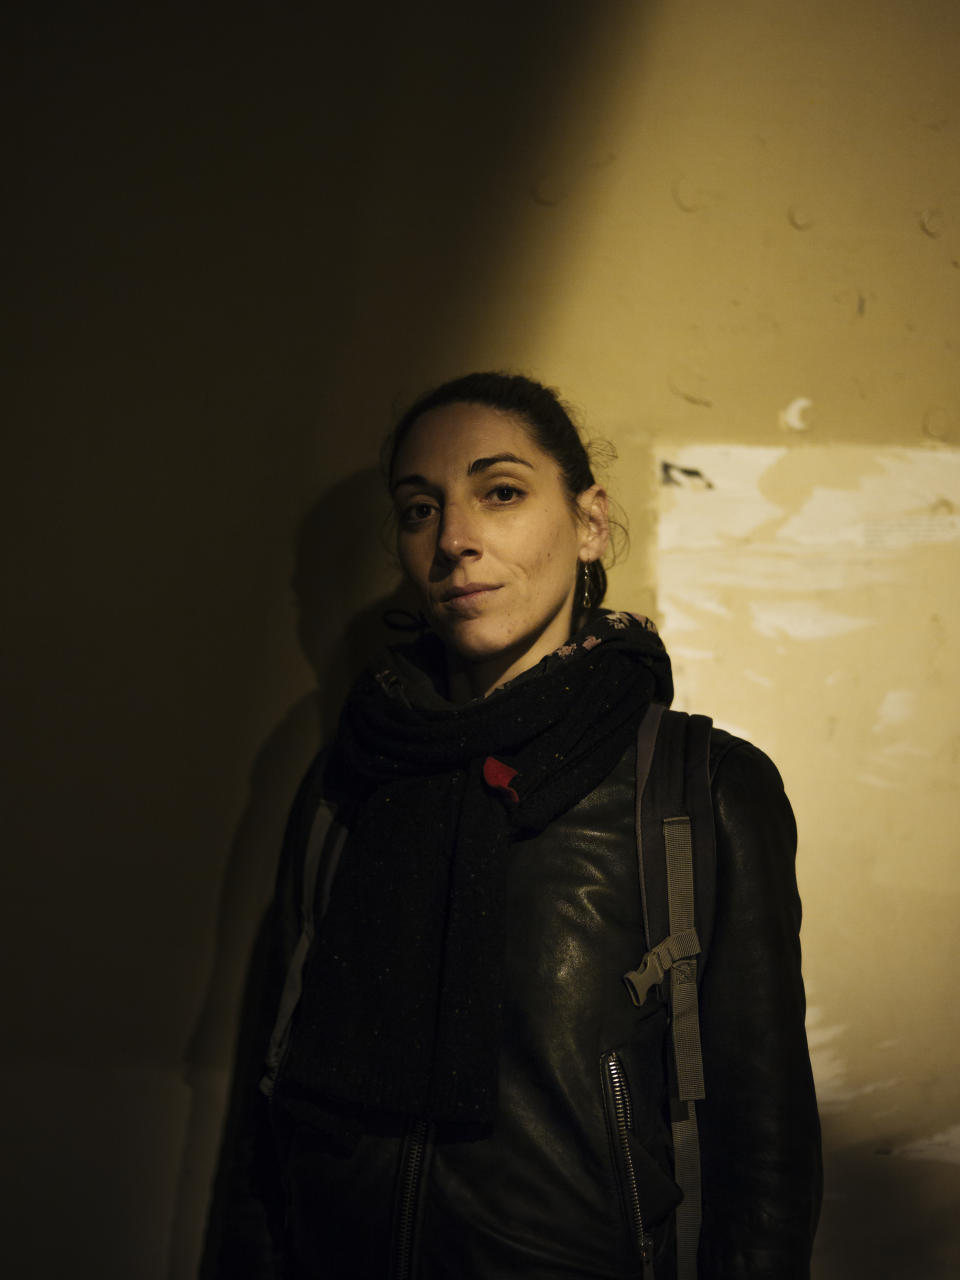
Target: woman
{"x": 459, "y": 900}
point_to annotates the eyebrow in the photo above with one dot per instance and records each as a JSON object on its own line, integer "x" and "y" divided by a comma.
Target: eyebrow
{"x": 475, "y": 468}
{"x": 484, "y": 464}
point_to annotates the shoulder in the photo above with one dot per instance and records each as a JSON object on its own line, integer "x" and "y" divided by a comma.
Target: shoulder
{"x": 309, "y": 811}
{"x": 736, "y": 758}
{"x": 738, "y": 769}
{"x": 311, "y": 796}
{"x": 755, "y": 823}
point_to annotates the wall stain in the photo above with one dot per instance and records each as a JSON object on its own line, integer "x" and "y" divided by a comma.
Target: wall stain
{"x": 943, "y": 507}
{"x": 688, "y": 385}
{"x": 688, "y": 477}
{"x": 799, "y": 218}
{"x": 791, "y": 418}
{"x": 687, "y": 197}
{"x": 931, "y": 223}
{"x": 859, "y": 298}
{"x": 937, "y": 422}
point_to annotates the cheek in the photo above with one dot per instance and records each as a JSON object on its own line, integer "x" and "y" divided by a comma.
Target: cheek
{"x": 411, "y": 561}
{"x": 555, "y": 553}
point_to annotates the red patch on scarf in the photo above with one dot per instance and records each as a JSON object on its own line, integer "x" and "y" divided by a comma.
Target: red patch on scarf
{"x": 498, "y": 775}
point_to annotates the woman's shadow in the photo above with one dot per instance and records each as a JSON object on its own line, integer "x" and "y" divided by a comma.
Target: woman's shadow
{"x": 350, "y": 602}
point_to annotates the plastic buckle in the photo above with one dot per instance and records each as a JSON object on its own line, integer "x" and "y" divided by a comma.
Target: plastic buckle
{"x": 648, "y": 974}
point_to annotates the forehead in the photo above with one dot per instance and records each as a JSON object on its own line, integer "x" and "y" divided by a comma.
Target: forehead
{"x": 453, "y": 436}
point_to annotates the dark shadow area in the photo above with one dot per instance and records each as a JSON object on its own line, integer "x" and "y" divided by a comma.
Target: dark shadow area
{"x": 345, "y": 557}
{"x": 342, "y": 554}
{"x": 247, "y": 233}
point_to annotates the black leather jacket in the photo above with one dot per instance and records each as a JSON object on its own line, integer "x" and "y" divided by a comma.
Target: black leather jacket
{"x": 538, "y": 1196}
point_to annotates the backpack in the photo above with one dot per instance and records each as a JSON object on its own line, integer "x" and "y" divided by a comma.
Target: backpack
{"x": 676, "y": 858}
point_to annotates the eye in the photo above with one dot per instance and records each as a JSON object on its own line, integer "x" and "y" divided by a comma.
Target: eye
{"x": 416, "y": 513}
{"x": 505, "y": 493}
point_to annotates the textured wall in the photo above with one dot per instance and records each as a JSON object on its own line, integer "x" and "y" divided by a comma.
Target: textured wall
{"x": 806, "y": 602}
{"x": 731, "y": 235}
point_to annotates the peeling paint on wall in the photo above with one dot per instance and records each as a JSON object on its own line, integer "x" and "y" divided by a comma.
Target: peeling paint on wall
{"x": 834, "y": 1088}
{"x": 941, "y": 1146}
{"x": 792, "y": 417}
{"x": 785, "y": 538}
{"x": 809, "y": 601}
{"x": 801, "y": 620}
{"x": 811, "y": 566}
{"x": 902, "y": 498}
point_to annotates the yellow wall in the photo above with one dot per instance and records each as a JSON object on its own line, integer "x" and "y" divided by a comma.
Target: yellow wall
{"x": 731, "y": 235}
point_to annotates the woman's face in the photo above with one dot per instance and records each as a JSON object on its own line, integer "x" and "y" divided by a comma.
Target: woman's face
{"x": 488, "y": 537}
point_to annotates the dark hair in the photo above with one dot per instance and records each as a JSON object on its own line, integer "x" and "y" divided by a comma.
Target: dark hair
{"x": 551, "y": 427}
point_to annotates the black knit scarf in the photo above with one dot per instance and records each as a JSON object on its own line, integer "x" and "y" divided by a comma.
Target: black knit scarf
{"x": 400, "y": 1011}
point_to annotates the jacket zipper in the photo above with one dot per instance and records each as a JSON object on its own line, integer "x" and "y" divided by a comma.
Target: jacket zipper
{"x": 622, "y": 1123}
{"x": 408, "y": 1195}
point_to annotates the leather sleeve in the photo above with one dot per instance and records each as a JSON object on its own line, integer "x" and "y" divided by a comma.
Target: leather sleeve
{"x": 244, "y": 1210}
{"x": 760, "y": 1132}
{"x": 244, "y": 1223}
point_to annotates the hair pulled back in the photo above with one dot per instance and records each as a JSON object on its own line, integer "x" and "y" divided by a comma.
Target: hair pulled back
{"x": 551, "y": 427}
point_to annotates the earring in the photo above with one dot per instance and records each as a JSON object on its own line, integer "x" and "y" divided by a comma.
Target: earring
{"x": 586, "y": 587}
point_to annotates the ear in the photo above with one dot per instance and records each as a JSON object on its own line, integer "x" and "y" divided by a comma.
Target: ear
{"x": 595, "y": 523}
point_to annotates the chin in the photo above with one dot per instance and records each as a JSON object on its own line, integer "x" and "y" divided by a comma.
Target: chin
{"x": 476, "y": 648}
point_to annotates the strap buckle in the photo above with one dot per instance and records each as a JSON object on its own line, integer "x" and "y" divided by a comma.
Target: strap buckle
{"x": 659, "y": 960}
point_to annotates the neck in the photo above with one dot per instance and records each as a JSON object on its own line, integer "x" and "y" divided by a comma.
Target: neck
{"x": 467, "y": 680}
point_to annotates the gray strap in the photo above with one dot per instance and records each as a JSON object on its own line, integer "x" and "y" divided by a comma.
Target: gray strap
{"x": 646, "y": 742}
{"x": 674, "y": 960}
{"x": 323, "y": 832}
{"x": 686, "y": 1046}
{"x": 658, "y": 961}
{"x": 686, "y": 1021}
{"x": 686, "y": 1165}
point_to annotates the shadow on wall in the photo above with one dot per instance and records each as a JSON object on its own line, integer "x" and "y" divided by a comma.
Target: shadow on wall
{"x": 246, "y": 233}
{"x": 885, "y": 1216}
{"x": 341, "y": 560}
{"x": 350, "y": 596}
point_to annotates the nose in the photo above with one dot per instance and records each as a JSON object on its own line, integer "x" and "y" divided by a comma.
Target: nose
{"x": 458, "y": 536}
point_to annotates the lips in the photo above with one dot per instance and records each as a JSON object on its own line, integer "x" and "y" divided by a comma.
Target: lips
{"x": 468, "y": 598}
{"x": 471, "y": 589}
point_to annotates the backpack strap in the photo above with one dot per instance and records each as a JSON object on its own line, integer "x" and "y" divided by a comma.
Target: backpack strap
{"x": 676, "y": 851}
{"x": 320, "y": 859}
